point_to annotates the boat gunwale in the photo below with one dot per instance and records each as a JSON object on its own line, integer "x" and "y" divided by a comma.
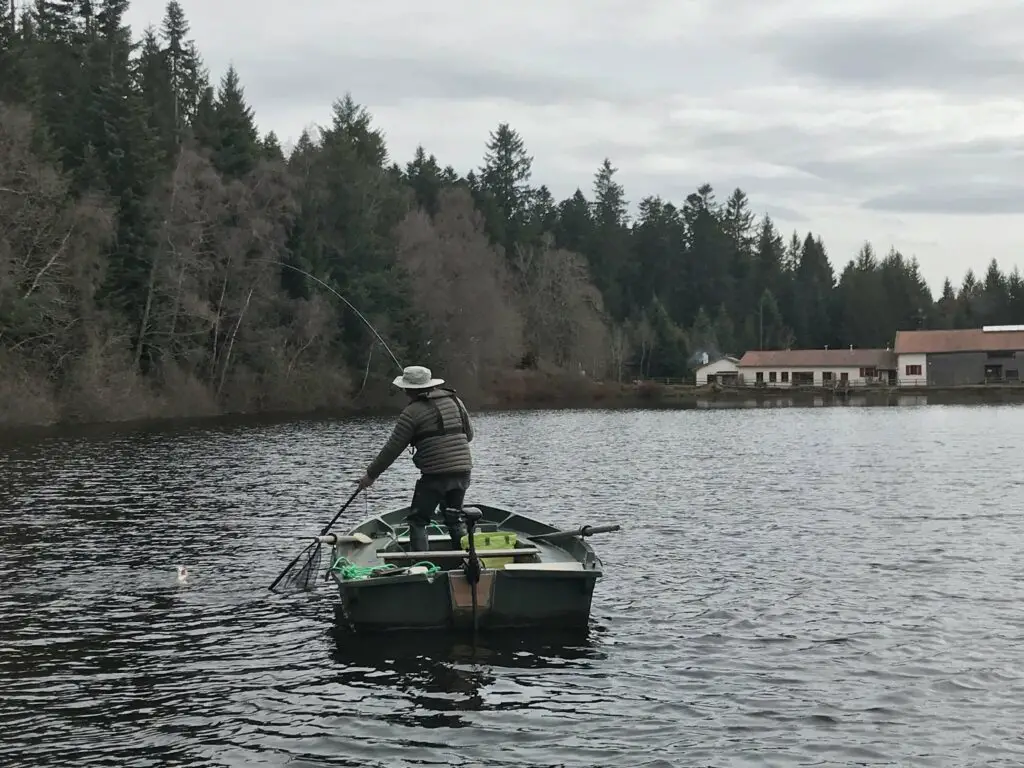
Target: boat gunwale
{"x": 381, "y": 528}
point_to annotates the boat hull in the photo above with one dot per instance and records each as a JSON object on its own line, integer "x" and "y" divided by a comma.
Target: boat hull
{"x": 505, "y": 600}
{"x": 546, "y": 584}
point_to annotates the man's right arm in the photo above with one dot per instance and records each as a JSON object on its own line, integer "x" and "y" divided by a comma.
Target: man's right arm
{"x": 401, "y": 437}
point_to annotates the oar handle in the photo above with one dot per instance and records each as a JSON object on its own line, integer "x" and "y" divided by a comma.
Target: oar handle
{"x": 344, "y": 507}
{"x": 584, "y": 531}
{"x": 590, "y": 530}
{"x": 339, "y": 538}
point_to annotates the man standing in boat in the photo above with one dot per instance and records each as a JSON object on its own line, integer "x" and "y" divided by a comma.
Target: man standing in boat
{"x": 436, "y": 424}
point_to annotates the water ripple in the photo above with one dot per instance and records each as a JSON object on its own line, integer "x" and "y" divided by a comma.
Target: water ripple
{"x": 791, "y": 587}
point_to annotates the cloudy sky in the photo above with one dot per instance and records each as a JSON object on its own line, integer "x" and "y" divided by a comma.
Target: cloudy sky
{"x": 899, "y": 122}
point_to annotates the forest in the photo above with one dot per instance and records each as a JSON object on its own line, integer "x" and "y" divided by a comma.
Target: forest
{"x": 159, "y": 256}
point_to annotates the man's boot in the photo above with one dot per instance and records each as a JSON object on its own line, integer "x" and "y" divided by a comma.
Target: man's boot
{"x": 456, "y": 527}
{"x": 418, "y": 541}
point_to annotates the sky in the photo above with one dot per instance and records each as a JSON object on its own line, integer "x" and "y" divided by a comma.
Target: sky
{"x": 894, "y": 122}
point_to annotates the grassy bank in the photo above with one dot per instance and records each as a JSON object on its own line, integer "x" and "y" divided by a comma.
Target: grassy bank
{"x": 24, "y": 404}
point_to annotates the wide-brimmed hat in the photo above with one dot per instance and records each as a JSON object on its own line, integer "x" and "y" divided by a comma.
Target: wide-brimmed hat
{"x": 416, "y": 377}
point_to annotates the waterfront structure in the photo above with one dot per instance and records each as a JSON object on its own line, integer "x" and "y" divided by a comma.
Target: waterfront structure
{"x": 818, "y": 367}
{"x": 725, "y": 370}
{"x": 960, "y": 357}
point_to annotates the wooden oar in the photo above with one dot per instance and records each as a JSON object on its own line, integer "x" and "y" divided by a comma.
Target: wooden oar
{"x": 337, "y": 538}
{"x": 583, "y": 531}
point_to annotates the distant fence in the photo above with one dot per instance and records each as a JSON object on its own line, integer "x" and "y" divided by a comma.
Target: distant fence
{"x": 668, "y": 380}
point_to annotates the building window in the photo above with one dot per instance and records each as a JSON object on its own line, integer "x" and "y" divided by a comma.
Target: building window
{"x": 785, "y": 377}
{"x": 844, "y": 376}
{"x": 772, "y": 376}
{"x": 868, "y": 373}
{"x": 913, "y": 370}
{"x": 760, "y": 377}
{"x": 826, "y": 376}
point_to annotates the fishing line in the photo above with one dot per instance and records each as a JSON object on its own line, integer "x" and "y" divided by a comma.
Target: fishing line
{"x": 347, "y": 302}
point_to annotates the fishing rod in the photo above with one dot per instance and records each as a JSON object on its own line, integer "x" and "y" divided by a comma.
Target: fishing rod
{"x": 347, "y": 302}
{"x": 302, "y": 576}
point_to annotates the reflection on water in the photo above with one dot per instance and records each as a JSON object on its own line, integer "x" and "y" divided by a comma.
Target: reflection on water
{"x": 817, "y": 401}
{"x": 438, "y": 677}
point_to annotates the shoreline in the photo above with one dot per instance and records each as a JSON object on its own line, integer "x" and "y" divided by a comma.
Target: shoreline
{"x": 590, "y": 396}
{"x": 876, "y": 394}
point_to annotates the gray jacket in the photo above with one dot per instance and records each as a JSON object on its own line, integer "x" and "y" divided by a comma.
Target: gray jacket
{"x": 438, "y": 426}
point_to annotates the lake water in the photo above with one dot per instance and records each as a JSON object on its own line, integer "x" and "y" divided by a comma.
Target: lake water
{"x": 819, "y": 586}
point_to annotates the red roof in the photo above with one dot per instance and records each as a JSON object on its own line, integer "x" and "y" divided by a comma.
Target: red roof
{"x": 967, "y": 340}
{"x": 819, "y": 358}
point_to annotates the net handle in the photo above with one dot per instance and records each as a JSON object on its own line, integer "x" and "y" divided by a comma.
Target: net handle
{"x": 343, "y": 508}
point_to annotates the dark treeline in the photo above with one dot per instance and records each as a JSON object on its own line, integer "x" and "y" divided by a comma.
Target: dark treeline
{"x": 144, "y": 222}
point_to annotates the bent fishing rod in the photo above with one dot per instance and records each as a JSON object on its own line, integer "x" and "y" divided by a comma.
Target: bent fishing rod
{"x": 347, "y": 302}
{"x": 302, "y": 576}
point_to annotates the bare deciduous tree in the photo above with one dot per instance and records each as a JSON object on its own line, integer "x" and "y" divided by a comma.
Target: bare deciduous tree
{"x": 461, "y": 288}
{"x": 51, "y": 258}
{"x": 563, "y": 310}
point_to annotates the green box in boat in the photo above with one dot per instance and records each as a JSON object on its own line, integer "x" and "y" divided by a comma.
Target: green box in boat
{"x": 484, "y": 540}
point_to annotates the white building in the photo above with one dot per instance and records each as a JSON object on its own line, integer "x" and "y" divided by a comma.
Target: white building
{"x": 818, "y": 367}
{"x": 723, "y": 371}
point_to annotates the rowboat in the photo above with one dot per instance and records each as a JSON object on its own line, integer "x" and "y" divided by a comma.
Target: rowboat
{"x": 512, "y": 572}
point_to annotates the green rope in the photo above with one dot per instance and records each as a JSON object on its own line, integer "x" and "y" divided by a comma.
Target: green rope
{"x": 349, "y": 571}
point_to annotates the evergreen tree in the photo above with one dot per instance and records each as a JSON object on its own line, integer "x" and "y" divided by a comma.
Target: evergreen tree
{"x": 424, "y": 175}
{"x": 236, "y": 140}
{"x": 504, "y": 185}
{"x": 608, "y": 249}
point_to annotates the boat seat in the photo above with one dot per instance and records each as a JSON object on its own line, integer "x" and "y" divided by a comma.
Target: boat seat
{"x": 431, "y": 537}
{"x": 568, "y": 566}
{"x": 482, "y": 528}
{"x": 447, "y": 554}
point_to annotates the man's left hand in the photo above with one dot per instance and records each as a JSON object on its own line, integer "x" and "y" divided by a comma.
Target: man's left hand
{"x": 365, "y": 482}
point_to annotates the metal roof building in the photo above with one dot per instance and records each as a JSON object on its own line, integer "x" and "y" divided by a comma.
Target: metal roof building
{"x": 960, "y": 357}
